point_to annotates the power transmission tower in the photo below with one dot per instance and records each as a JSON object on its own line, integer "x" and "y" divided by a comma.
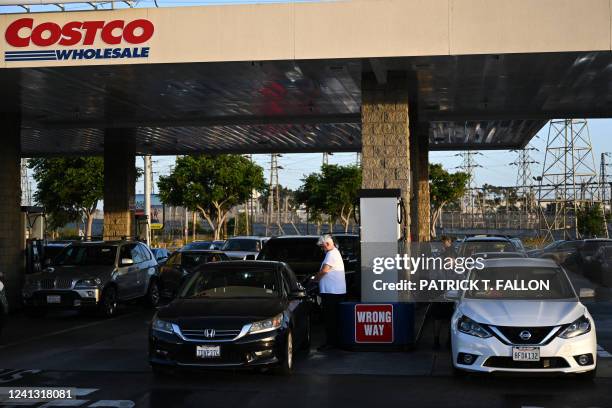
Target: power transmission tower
{"x": 524, "y": 179}
{"x": 274, "y": 209}
{"x": 569, "y": 178}
{"x": 469, "y": 202}
{"x": 26, "y": 188}
{"x": 604, "y": 180}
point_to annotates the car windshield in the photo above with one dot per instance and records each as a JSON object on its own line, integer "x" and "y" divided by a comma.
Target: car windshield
{"x": 292, "y": 250}
{"x": 472, "y": 247}
{"x": 349, "y": 246}
{"x": 248, "y": 245}
{"x": 87, "y": 255}
{"x": 558, "y": 285}
{"x": 240, "y": 282}
{"x": 198, "y": 245}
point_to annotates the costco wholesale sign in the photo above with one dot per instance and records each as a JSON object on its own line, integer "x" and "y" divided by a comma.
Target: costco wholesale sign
{"x": 373, "y": 323}
{"x": 73, "y": 37}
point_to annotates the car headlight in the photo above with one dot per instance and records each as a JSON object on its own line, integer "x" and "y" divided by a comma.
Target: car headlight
{"x": 88, "y": 283}
{"x": 267, "y": 325}
{"x": 577, "y": 328}
{"x": 468, "y": 326}
{"x": 162, "y": 325}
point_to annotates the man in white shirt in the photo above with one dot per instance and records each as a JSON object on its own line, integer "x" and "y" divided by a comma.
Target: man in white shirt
{"x": 332, "y": 287}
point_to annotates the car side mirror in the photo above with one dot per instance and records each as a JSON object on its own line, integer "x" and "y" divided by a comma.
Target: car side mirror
{"x": 297, "y": 294}
{"x": 452, "y": 295}
{"x": 250, "y": 257}
{"x": 127, "y": 261}
{"x": 586, "y": 293}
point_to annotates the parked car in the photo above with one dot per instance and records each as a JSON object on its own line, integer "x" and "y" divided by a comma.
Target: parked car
{"x": 536, "y": 330}
{"x": 181, "y": 265}
{"x": 564, "y": 252}
{"x": 518, "y": 244}
{"x": 3, "y": 305}
{"x": 472, "y": 245}
{"x": 233, "y": 314}
{"x": 243, "y": 248}
{"x": 585, "y": 262}
{"x": 94, "y": 275}
{"x": 601, "y": 271}
{"x": 499, "y": 255}
{"x": 197, "y": 245}
{"x": 161, "y": 255}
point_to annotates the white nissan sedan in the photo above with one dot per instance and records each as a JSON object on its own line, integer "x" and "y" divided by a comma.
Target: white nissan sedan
{"x": 524, "y": 316}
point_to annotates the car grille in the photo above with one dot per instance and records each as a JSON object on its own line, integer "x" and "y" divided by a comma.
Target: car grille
{"x": 60, "y": 283}
{"x": 210, "y": 334}
{"x": 544, "y": 363}
{"x": 538, "y": 334}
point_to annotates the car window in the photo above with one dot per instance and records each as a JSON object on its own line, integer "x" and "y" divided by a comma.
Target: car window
{"x": 175, "y": 259}
{"x": 559, "y": 286}
{"x": 136, "y": 254}
{"x": 146, "y": 254}
{"x": 87, "y": 255}
{"x": 566, "y": 245}
{"x": 289, "y": 276}
{"x": 237, "y": 282}
{"x": 471, "y": 247}
{"x": 292, "y": 250}
{"x": 240, "y": 244}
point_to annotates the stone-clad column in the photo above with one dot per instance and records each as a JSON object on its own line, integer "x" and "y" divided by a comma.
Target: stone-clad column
{"x": 420, "y": 204}
{"x": 12, "y": 263}
{"x": 385, "y": 123}
{"x": 119, "y": 183}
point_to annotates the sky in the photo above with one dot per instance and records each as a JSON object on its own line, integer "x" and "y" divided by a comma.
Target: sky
{"x": 496, "y": 168}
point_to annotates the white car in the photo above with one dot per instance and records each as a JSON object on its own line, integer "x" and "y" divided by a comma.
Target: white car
{"x": 243, "y": 248}
{"x": 515, "y": 330}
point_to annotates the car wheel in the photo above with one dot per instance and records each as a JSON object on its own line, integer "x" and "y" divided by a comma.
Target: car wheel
{"x": 286, "y": 365}
{"x": 108, "y": 304}
{"x": 153, "y": 293}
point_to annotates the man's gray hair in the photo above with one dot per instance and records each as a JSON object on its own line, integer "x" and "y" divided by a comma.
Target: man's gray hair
{"x": 325, "y": 238}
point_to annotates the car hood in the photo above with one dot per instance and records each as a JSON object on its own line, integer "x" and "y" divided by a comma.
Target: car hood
{"x": 191, "y": 312}
{"x": 74, "y": 272}
{"x": 521, "y": 312}
{"x": 239, "y": 254}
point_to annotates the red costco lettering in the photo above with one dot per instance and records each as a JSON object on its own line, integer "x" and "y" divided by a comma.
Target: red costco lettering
{"x": 23, "y": 33}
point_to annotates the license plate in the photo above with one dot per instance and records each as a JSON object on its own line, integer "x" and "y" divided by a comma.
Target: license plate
{"x": 208, "y": 351}
{"x": 526, "y": 353}
{"x": 54, "y": 299}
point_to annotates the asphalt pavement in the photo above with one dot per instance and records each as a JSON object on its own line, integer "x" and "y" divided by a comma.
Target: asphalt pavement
{"x": 106, "y": 361}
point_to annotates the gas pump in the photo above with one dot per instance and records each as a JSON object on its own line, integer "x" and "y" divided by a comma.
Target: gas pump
{"x": 382, "y": 320}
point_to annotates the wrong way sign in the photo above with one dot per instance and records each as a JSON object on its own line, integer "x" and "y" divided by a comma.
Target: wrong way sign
{"x": 374, "y": 323}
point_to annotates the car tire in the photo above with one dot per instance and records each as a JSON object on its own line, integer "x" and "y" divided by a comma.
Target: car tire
{"x": 153, "y": 293}
{"x": 286, "y": 365}
{"x": 108, "y": 302}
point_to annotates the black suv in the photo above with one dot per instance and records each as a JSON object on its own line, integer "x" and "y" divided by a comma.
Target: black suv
{"x": 94, "y": 275}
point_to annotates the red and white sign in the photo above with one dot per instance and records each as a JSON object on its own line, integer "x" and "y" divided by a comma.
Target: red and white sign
{"x": 374, "y": 323}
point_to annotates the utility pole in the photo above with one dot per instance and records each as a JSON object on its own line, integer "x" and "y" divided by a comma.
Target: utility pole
{"x": 274, "y": 208}
{"x": 26, "y": 188}
{"x": 326, "y": 158}
{"x": 147, "y": 196}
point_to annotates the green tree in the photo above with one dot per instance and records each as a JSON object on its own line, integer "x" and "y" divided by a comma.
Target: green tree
{"x": 591, "y": 221}
{"x": 444, "y": 188}
{"x": 211, "y": 185}
{"x": 333, "y": 191}
{"x": 69, "y": 188}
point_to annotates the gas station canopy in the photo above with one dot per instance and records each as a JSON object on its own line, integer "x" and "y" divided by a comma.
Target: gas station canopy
{"x": 287, "y": 77}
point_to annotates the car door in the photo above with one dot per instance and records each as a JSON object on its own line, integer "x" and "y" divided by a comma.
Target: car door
{"x": 146, "y": 269}
{"x": 298, "y": 306}
{"x": 127, "y": 274}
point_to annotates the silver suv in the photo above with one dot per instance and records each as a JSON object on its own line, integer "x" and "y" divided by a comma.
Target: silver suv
{"x": 94, "y": 276}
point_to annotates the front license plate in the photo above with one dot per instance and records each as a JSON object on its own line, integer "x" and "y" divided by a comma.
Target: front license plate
{"x": 526, "y": 353}
{"x": 208, "y": 351}
{"x": 54, "y": 299}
